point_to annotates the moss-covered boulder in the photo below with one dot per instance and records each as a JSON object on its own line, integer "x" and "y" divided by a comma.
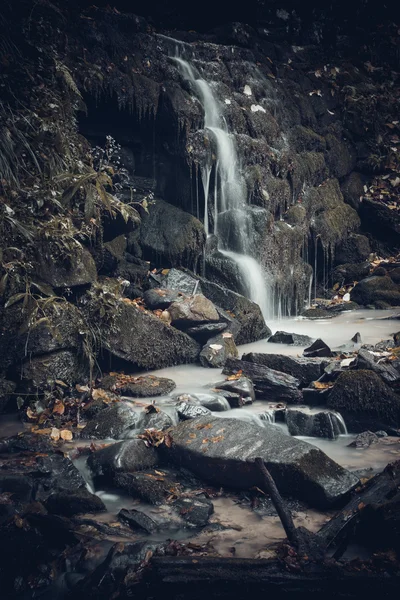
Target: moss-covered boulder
{"x": 65, "y": 267}
{"x": 365, "y": 401}
{"x": 171, "y": 235}
{"x": 354, "y": 249}
{"x": 376, "y": 289}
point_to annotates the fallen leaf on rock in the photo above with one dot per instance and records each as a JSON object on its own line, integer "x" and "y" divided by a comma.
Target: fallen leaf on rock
{"x": 58, "y": 408}
{"x": 30, "y": 414}
{"x": 82, "y": 388}
{"x": 59, "y": 382}
{"x": 66, "y": 435}
{"x": 216, "y": 346}
{"x": 55, "y": 434}
{"x": 236, "y": 376}
{"x": 319, "y": 385}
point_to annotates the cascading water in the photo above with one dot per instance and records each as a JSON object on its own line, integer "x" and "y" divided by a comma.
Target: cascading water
{"x": 229, "y": 191}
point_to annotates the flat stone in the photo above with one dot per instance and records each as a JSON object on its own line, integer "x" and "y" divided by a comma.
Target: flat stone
{"x": 195, "y": 511}
{"x": 193, "y": 310}
{"x": 74, "y": 502}
{"x": 137, "y": 520}
{"x": 364, "y": 440}
{"x": 142, "y": 386}
{"x": 112, "y": 423}
{"x": 366, "y": 360}
{"x": 223, "y": 452}
{"x": 304, "y": 369}
{"x": 160, "y": 298}
{"x": 282, "y": 337}
{"x": 202, "y": 333}
{"x": 181, "y": 281}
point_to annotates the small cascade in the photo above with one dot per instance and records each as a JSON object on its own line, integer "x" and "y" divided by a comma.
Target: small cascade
{"x": 340, "y": 422}
{"x": 229, "y": 194}
{"x": 268, "y": 416}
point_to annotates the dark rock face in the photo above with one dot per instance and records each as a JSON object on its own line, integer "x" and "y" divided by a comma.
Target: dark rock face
{"x": 304, "y": 369}
{"x": 195, "y": 511}
{"x": 74, "y": 502}
{"x": 268, "y": 384}
{"x": 374, "y": 289}
{"x": 138, "y": 387}
{"x": 6, "y": 389}
{"x": 323, "y": 424}
{"x": 350, "y": 272}
{"x": 217, "y": 350}
{"x": 355, "y": 249}
{"x": 380, "y": 220}
{"x": 146, "y": 341}
{"x": 180, "y": 281}
{"x": 65, "y": 365}
{"x": 171, "y": 235}
{"x": 132, "y": 455}
{"x": 364, "y": 401}
{"x": 318, "y": 348}
{"x": 160, "y": 298}
{"x": 147, "y": 486}
{"x": 282, "y": 337}
{"x": 224, "y": 454}
{"x": 52, "y": 268}
{"x": 57, "y": 473}
{"x": 137, "y": 520}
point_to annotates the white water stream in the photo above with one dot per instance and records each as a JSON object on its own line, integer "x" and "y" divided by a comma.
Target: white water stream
{"x": 229, "y": 189}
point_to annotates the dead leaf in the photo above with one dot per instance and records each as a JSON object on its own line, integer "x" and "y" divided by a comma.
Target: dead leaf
{"x": 66, "y": 435}
{"x": 59, "y": 382}
{"x": 58, "y": 408}
{"x": 55, "y": 434}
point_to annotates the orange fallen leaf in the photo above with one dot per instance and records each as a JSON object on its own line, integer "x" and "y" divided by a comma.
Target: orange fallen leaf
{"x": 66, "y": 435}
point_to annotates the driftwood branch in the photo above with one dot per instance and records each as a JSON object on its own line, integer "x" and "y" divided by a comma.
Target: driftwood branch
{"x": 268, "y": 485}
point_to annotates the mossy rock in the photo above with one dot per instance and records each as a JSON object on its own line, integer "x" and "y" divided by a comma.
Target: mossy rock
{"x": 304, "y": 139}
{"x": 350, "y": 272}
{"x": 339, "y": 159}
{"x": 364, "y": 401}
{"x": 354, "y": 249}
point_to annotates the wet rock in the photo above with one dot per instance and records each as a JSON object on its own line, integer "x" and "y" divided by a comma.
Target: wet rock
{"x": 191, "y": 311}
{"x": 131, "y": 455}
{"x": 247, "y": 313}
{"x": 171, "y": 235}
{"x": 56, "y": 473}
{"x": 213, "y": 402}
{"x": 318, "y": 348}
{"x": 394, "y": 275}
{"x": 317, "y": 313}
{"x": 181, "y": 281}
{"x": 268, "y": 384}
{"x": 114, "y": 422}
{"x": 381, "y": 434}
{"x": 188, "y": 410}
{"x": 367, "y": 360}
{"x": 79, "y": 269}
{"x": 364, "y": 401}
{"x": 74, "y": 502}
{"x": 195, "y": 511}
{"x": 160, "y": 298}
{"x": 137, "y": 520}
{"x": 20, "y": 486}
{"x": 380, "y": 220}
{"x": 156, "y": 419}
{"x": 323, "y": 424}
{"x": 364, "y": 440}
{"x": 6, "y": 389}
{"x": 201, "y": 333}
{"x": 41, "y": 372}
{"x": 374, "y": 289}
{"x": 304, "y": 369}
{"x": 282, "y": 337}
{"x": 235, "y": 400}
{"x": 217, "y": 350}
{"x": 143, "y": 339}
{"x": 223, "y": 452}
{"x": 149, "y": 486}
{"x": 138, "y": 387}
{"x": 242, "y": 386}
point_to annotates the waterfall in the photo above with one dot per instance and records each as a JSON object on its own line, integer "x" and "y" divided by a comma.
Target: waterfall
{"x": 229, "y": 191}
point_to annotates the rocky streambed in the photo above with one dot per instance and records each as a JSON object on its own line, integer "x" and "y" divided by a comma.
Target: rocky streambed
{"x": 165, "y": 462}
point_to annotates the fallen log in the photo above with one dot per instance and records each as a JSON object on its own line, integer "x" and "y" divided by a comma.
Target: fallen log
{"x": 379, "y": 490}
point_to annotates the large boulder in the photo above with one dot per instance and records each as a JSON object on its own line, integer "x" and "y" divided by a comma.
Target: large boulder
{"x": 55, "y": 269}
{"x": 365, "y": 401}
{"x": 246, "y": 312}
{"x": 268, "y": 384}
{"x": 375, "y": 289}
{"x": 324, "y": 423}
{"x": 171, "y": 235}
{"x": 140, "y": 337}
{"x": 355, "y": 249}
{"x": 223, "y": 453}
{"x": 304, "y": 369}
{"x": 193, "y": 310}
